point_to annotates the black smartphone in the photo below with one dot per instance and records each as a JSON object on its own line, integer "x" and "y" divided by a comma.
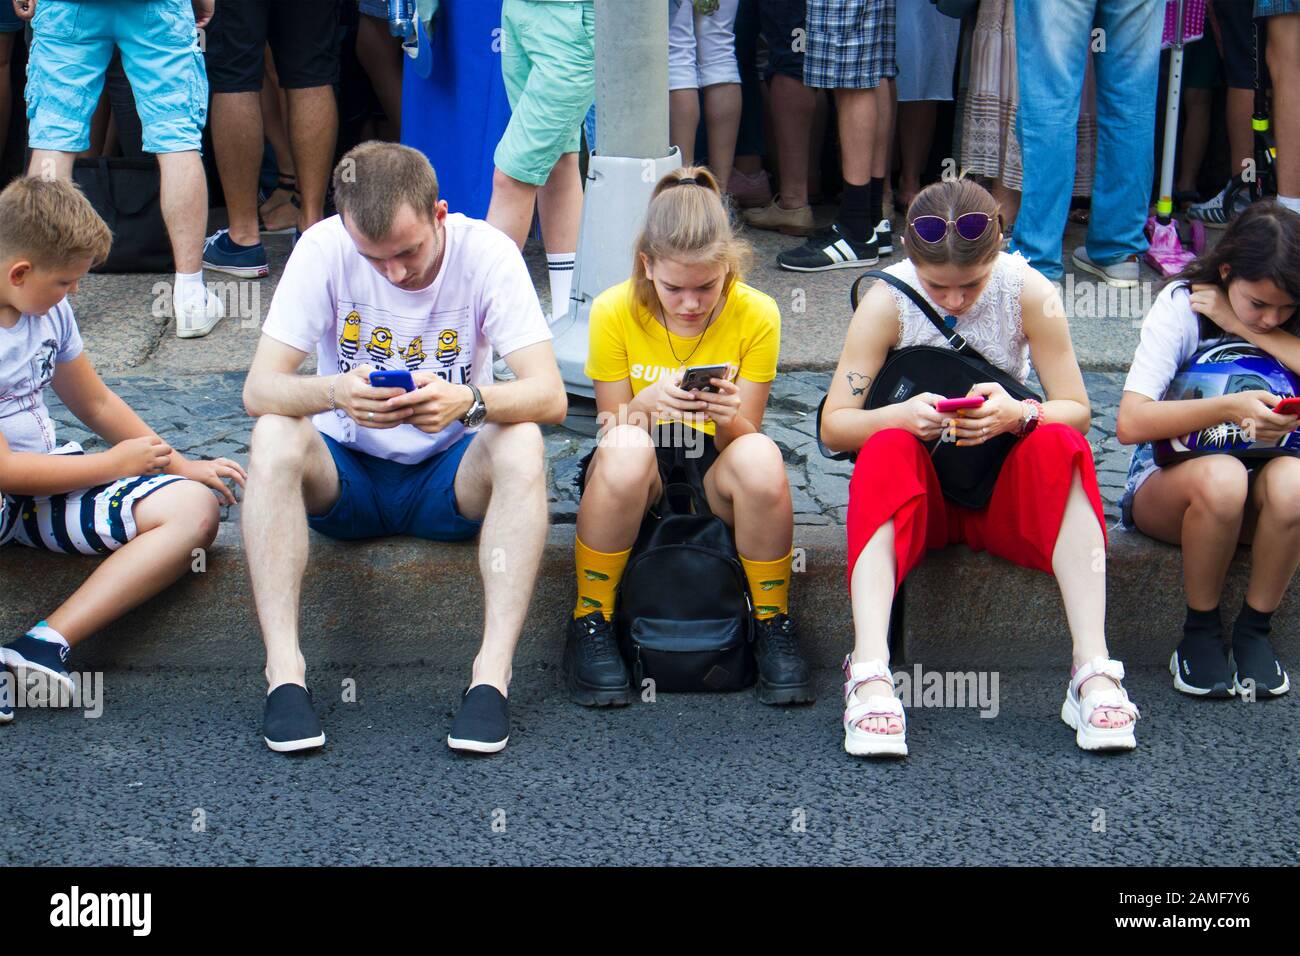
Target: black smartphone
{"x": 697, "y": 377}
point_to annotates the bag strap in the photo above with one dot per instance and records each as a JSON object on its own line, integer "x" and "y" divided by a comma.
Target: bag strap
{"x": 692, "y": 486}
{"x": 952, "y": 336}
{"x": 682, "y": 488}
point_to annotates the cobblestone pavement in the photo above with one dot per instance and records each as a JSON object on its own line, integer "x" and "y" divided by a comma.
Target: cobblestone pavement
{"x": 203, "y": 416}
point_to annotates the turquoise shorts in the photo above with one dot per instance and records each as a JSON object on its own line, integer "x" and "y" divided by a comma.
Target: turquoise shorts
{"x": 548, "y": 63}
{"x": 71, "y": 47}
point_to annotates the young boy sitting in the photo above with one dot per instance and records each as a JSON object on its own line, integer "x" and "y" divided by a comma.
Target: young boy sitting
{"x": 133, "y": 502}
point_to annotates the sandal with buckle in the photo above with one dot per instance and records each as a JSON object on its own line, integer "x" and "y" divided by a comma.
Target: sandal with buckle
{"x": 866, "y": 743}
{"x": 1077, "y": 713}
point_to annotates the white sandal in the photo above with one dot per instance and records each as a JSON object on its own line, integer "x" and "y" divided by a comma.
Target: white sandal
{"x": 863, "y": 743}
{"x": 1078, "y": 713}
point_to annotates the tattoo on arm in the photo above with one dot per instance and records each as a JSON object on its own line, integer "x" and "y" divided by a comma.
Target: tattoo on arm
{"x": 858, "y": 382}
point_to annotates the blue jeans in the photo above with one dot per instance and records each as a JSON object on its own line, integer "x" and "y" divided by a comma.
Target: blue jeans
{"x": 1053, "y": 40}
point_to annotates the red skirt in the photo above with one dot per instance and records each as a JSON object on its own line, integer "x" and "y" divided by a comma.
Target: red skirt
{"x": 894, "y": 478}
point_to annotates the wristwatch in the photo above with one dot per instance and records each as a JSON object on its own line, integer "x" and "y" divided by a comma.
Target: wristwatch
{"x": 1032, "y": 415}
{"x": 477, "y": 413}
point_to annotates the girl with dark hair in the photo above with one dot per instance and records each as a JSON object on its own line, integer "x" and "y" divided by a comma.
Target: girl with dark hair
{"x": 1244, "y": 290}
{"x": 1045, "y": 511}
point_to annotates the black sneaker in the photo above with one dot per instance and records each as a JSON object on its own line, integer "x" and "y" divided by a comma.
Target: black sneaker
{"x": 830, "y": 248}
{"x": 884, "y": 238}
{"x": 289, "y": 722}
{"x": 1200, "y": 667}
{"x": 783, "y": 675}
{"x": 482, "y": 724}
{"x": 594, "y": 671}
{"x": 1253, "y": 659}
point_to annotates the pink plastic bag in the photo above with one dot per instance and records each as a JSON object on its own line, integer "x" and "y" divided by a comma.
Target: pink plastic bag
{"x": 1193, "y": 22}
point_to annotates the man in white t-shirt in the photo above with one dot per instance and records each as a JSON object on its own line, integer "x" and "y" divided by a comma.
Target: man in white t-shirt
{"x": 393, "y": 282}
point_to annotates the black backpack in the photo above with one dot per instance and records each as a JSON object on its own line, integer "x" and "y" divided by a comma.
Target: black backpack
{"x": 966, "y": 475}
{"x": 683, "y": 616}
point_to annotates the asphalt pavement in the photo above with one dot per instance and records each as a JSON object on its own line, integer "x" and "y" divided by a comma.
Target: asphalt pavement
{"x": 174, "y": 772}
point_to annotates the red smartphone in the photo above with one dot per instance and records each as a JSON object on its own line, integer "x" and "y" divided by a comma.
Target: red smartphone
{"x": 1288, "y": 406}
{"x": 955, "y": 404}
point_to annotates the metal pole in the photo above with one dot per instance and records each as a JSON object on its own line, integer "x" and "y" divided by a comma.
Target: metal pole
{"x": 632, "y": 153}
{"x": 632, "y": 78}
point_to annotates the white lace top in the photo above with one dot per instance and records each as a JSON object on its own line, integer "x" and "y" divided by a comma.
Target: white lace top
{"x": 992, "y": 324}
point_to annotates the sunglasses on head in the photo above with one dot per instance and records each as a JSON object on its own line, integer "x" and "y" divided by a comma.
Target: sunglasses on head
{"x": 969, "y": 226}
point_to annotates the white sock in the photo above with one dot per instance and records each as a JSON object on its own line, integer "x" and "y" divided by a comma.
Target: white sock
{"x": 189, "y": 287}
{"x": 560, "y": 267}
{"x": 43, "y": 632}
{"x": 1291, "y": 202}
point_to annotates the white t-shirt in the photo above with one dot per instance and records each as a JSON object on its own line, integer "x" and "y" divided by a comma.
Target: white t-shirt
{"x": 1170, "y": 336}
{"x": 29, "y": 354}
{"x": 333, "y": 301}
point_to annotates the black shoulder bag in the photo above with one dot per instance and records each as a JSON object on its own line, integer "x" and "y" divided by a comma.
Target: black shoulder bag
{"x": 966, "y": 474}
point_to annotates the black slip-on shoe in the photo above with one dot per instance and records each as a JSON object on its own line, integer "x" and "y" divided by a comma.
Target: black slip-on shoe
{"x": 1200, "y": 667}
{"x": 1254, "y": 660}
{"x": 289, "y": 723}
{"x": 595, "y": 673}
{"x": 482, "y": 724}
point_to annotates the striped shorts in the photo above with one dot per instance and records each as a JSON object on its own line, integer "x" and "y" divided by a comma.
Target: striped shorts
{"x": 94, "y": 521}
{"x": 850, "y": 44}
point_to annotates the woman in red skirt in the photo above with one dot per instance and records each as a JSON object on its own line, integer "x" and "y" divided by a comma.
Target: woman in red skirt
{"x": 1045, "y": 511}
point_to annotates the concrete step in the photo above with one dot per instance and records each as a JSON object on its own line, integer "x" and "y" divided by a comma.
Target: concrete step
{"x": 404, "y": 601}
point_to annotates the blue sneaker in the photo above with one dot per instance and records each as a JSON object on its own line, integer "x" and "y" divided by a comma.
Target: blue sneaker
{"x": 221, "y": 254}
{"x": 31, "y": 655}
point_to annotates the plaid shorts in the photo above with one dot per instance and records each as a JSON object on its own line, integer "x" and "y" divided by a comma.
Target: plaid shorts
{"x": 850, "y": 44}
{"x": 92, "y": 521}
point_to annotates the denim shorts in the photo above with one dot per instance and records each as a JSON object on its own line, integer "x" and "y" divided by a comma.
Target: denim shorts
{"x": 71, "y": 47}
{"x": 376, "y": 8}
{"x": 378, "y": 498}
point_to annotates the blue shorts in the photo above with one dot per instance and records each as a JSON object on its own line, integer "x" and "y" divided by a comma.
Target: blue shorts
{"x": 376, "y": 8}
{"x": 71, "y": 48}
{"x": 378, "y": 498}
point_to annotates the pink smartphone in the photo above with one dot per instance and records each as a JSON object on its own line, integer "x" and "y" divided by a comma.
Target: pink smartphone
{"x": 955, "y": 404}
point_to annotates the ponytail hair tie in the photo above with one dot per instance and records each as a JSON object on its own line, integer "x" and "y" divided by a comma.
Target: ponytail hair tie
{"x": 685, "y": 180}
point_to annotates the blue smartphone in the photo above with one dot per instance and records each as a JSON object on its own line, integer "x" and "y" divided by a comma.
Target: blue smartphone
{"x": 392, "y": 378}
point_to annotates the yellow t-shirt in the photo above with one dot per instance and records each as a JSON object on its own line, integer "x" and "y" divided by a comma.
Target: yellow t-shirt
{"x": 628, "y": 342}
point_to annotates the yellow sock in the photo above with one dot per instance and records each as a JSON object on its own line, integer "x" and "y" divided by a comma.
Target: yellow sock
{"x": 769, "y": 585}
{"x": 598, "y": 577}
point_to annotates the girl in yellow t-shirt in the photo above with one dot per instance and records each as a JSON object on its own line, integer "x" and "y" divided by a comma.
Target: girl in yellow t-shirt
{"x": 683, "y": 306}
